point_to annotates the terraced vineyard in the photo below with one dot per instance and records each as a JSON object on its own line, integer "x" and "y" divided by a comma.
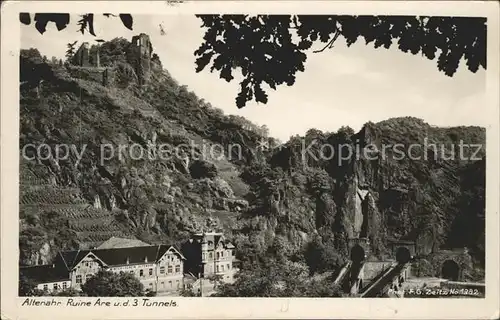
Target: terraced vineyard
{"x": 38, "y": 196}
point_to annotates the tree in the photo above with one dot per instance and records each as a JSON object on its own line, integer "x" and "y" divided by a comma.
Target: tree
{"x": 216, "y": 279}
{"x": 110, "y": 284}
{"x": 70, "y": 52}
{"x": 271, "y": 49}
{"x": 278, "y": 278}
{"x": 188, "y": 293}
{"x": 321, "y": 258}
{"x": 27, "y": 287}
{"x": 70, "y": 292}
{"x": 203, "y": 169}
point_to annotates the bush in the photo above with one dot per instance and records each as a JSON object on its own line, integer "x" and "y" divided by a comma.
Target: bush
{"x": 110, "y": 284}
{"x": 203, "y": 169}
{"x": 27, "y": 288}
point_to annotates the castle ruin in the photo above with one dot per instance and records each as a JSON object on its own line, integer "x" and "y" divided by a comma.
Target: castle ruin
{"x": 139, "y": 56}
{"x": 85, "y": 63}
{"x": 84, "y": 58}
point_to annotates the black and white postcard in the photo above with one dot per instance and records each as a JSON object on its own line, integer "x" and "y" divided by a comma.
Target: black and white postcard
{"x": 161, "y": 159}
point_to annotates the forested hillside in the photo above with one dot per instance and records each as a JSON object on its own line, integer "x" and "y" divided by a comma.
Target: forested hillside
{"x": 277, "y": 204}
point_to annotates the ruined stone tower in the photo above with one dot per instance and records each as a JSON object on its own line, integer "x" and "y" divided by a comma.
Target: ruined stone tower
{"x": 81, "y": 57}
{"x": 140, "y": 57}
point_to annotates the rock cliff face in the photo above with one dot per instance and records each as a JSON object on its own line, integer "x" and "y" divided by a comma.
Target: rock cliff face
{"x": 114, "y": 183}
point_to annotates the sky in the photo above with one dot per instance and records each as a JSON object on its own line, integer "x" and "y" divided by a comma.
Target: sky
{"x": 341, "y": 86}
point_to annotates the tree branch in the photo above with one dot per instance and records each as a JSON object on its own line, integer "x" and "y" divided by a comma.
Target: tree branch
{"x": 329, "y": 45}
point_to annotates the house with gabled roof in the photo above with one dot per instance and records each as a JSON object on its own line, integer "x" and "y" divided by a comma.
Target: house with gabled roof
{"x": 47, "y": 277}
{"x": 160, "y": 268}
{"x": 208, "y": 254}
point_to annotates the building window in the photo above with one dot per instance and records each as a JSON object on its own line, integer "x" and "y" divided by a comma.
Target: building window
{"x": 210, "y": 255}
{"x": 162, "y": 270}
{"x": 151, "y": 285}
{"x": 218, "y": 256}
{"x": 228, "y": 266}
{"x": 170, "y": 284}
{"x": 78, "y": 279}
{"x": 163, "y": 284}
{"x": 87, "y": 277}
{"x": 217, "y": 268}
{"x": 169, "y": 269}
{"x": 56, "y": 287}
{"x": 178, "y": 284}
{"x": 150, "y": 271}
{"x": 204, "y": 256}
{"x": 177, "y": 269}
{"x": 45, "y": 287}
{"x": 64, "y": 286}
{"x": 132, "y": 271}
{"x": 141, "y": 273}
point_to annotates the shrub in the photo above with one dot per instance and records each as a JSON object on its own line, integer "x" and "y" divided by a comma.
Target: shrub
{"x": 203, "y": 169}
{"x": 110, "y": 284}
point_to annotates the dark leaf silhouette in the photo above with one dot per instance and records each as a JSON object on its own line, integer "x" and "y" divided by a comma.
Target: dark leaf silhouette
{"x": 41, "y": 23}
{"x": 100, "y": 40}
{"x": 271, "y": 49}
{"x": 71, "y": 49}
{"x": 87, "y": 23}
{"x": 127, "y": 20}
{"x": 25, "y": 18}
{"x": 60, "y": 19}
{"x": 107, "y": 15}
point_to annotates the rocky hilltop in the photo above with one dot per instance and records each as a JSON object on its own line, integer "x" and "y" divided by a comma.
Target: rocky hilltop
{"x": 284, "y": 197}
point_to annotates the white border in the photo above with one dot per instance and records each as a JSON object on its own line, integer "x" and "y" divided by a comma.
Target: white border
{"x": 218, "y": 308}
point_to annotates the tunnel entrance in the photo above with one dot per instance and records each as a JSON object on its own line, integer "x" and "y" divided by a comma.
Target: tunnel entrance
{"x": 403, "y": 255}
{"x": 357, "y": 253}
{"x": 450, "y": 270}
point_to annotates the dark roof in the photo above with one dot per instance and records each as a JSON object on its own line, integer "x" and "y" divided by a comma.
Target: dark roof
{"x": 216, "y": 239}
{"x": 212, "y": 238}
{"x": 71, "y": 258}
{"x": 44, "y": 273}
{"x": 116, "y": 242}
{"x": 119, "y": 256}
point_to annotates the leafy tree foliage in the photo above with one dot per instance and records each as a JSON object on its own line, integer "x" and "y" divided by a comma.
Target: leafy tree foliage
{"x": 70, "y": 52}
{"x": 189, "y": 293}
{"x": 321, "y": 257}
{"x": 28, "y": 288}
{"x": 202, "y": 169}
{"x": 70, "y": 292}
{"x": 278, "y": 278}
{"x": 270, "y": 49}
{"x": 61, "y": 20}
{"x": 110, "y": 284}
